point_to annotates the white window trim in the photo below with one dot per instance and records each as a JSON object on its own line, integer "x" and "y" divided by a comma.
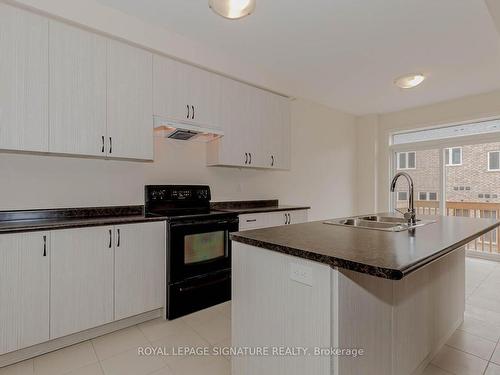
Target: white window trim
{"x": 489, "y": 169}
{"x": 405, "y": 152}
{"x": 450, "y": 156}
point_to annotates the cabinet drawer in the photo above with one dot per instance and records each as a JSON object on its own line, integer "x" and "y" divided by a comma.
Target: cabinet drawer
{"x": 253, "y": 221}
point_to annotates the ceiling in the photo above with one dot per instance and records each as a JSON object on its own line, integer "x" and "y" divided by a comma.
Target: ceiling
{"x": 346, "y": 53}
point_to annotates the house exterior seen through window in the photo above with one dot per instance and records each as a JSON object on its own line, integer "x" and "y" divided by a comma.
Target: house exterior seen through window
{"x": 494, "y": 161}
{"x": 407, "y": 160}
{"x": 453, "y": 156}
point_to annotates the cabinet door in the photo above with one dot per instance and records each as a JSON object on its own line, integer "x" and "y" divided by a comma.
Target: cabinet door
{"x": 24, "y": 80}
{"x": 81, "y": 279}
{"x": 298, "y": 216}
{"x": 204, "y": 95}
{"x": 130, "y": 102}
{"x": 170, "y": 89}
{"x": 24, "y": 290}
{"x": 77, "y": 91}
{"x": 139, "y": 268}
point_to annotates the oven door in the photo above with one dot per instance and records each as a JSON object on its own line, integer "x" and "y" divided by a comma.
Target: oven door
{"x": 199, "y": 247}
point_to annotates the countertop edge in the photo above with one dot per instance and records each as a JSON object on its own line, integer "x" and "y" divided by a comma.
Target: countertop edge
{"x": 382, "y": 272}
{"x": 259, "y": 210}
{"x": 385, "y": 273}
{"x": 81, "y": 224}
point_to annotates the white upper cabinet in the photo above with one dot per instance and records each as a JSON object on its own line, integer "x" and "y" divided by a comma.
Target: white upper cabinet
{"x": 24, "y": 290}
{"x": 129, "y": 102}
{"x": 24, "y": 80}
{"x": 256, "y": 125}
{"x": 77, "y": 91}
{"x": 186, "y": 94}
{"x": 139, "y": 268}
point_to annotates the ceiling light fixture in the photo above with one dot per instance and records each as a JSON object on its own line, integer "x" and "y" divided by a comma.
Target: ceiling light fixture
{"x": 232, "y": 9}
{"x": 409, "y": 81}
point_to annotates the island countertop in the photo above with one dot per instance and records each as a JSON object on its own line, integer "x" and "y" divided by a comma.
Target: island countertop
{"x": 390, "y": 255}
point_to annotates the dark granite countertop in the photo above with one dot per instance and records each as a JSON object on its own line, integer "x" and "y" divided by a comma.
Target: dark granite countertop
{"x": 38, "y": 220}
{"x": 254, "y": 206}
{"x": 390, "y": 255}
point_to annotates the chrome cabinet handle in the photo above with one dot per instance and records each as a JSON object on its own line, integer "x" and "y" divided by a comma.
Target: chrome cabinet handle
{"x": 118, "y": 240}
{"x": 286, "y": 219}
{"x": 110, "y": 239}
{"x": 110, "y": 145}
{"x": 289, "y": 219}
{"x": 246, "y": 157}
{"x": 187, "y": 105}
{"x": 250, "y": 162}
{"x": 192, "y": 117}
{"x": 44, "y": 246}
{"x": 251, "y": 220}
{"x": 102, "y": 148}
{"x": 272, "y": 160}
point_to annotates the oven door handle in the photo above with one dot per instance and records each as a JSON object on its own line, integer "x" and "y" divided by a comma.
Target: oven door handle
{"x": 208, "y": 283}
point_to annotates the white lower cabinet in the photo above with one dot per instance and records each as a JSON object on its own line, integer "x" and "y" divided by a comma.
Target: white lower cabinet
{"x": 24, "y": 290}
{"x": 272, "y": 219}
{"x": 139, "y": 268}
{"x": 81, "y": 282}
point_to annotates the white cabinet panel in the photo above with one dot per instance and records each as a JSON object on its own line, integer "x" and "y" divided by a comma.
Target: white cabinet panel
{"x": 24, "y": 80}
{"x": 129, "y": 102}
{"x": 81, "y": 281}
{"x": 139, "y": 268}
{"x": 298, "y": 216}
{"x": 24, "y": 290}
{"x": 253, "y": 221}
{"x": 77, "y": 91}
{"x": 170, "y": 92}
{"x": 184, "y": 93}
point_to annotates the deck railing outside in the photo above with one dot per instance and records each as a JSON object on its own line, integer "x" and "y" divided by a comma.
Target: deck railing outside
{"x": 486, "y": 243}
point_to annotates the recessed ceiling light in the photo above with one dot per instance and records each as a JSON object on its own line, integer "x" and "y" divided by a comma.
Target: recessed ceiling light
{"x": 409, "y": 81}
{"x": 232, "y": 9}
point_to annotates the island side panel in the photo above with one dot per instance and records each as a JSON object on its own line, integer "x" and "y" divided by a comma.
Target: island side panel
{"x": 401, "y": 324}
{"x": 270, "y": 309}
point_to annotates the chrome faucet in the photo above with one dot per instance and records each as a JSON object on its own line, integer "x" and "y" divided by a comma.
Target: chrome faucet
{"x": 409, "y": 215}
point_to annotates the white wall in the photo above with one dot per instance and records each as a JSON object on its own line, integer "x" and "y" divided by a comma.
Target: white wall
{"x": 469, "y": 108}
{"x": 322, "y": 174}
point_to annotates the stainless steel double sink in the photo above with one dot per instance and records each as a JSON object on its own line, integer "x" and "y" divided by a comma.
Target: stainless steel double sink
{"x": 376, "y": 222}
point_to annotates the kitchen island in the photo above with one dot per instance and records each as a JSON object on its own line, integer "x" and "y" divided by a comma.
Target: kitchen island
{"x": 326, "y": 299}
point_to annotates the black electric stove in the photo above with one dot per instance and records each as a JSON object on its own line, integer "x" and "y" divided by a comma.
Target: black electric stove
{"x": 198, "y": 261}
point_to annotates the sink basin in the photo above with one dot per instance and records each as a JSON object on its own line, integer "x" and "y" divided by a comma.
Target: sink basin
{"x": 384, "y": 223}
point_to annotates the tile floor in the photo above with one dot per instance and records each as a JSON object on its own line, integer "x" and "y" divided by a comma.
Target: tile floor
{"x": 473, "y": 349}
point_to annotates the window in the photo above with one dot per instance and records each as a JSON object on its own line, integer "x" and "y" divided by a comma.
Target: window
{"x": 402, "y": 195}
{"x": 427, "y": 196}
{"x": 453, "y": 156}
{"x": 453, "y": 131}
{"x": 494, "y": 161}
{"x": 407, "y": 160}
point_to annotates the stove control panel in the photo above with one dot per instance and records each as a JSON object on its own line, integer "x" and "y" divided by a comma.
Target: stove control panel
{"x": 177, "y": 193}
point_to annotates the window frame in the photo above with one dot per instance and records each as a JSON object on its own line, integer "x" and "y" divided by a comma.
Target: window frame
{"x": 449, "y": 150}
{"x": 488, "y": 160}
{"x": 428, "y": 196}
{"x": 406, "y": 168}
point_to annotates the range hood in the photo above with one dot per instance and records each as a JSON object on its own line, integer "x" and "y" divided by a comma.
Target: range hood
{"x": 165, "y": 128}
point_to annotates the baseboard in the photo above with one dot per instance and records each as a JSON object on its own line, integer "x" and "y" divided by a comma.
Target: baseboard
{"x": 420, "y": 369}
{"x": 49, "y": 346}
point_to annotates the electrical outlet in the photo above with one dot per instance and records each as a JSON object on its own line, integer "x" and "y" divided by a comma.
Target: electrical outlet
{"x": 301, "y": 274}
